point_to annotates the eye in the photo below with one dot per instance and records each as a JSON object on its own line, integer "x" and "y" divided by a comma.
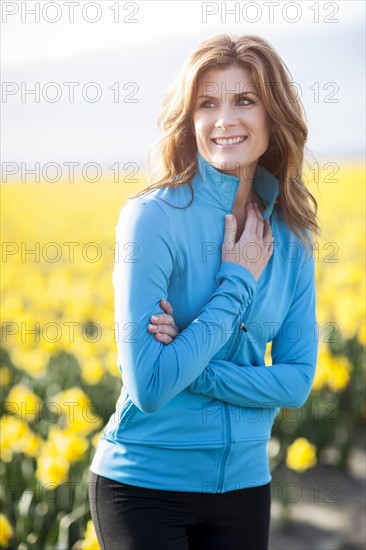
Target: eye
{"x": 205, "y": 103}
{"x": 245, "y": 99}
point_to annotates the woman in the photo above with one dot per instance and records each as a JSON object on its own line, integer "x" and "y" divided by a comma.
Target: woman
{"x": 182, "y": 463}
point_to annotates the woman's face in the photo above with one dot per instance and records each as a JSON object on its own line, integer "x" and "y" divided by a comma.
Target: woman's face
{"x": 227, "y": 105}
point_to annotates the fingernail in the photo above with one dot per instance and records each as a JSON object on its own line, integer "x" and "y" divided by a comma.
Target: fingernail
{"x": 155, "y": 318}
{"x": 256, "y": 204}
{"x": 163, "y": 300}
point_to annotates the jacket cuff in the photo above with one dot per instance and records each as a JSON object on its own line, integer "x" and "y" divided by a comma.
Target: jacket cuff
{"x": 231, "y": 269}
{"x": 245, "y": 282}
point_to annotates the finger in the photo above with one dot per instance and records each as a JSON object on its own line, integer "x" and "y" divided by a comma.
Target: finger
{"x": 163, "y": 329}
{"x": 229, "y": 232}
{"x": 251, "y": 219}
{"x": 256, "y": 209}
{"x": 166, "y": 306}
{"x": 164, "y": 338}
{"x": 162, "y": 319}
{"x": 260, "y": 221}
{"x": 267, "y": 235}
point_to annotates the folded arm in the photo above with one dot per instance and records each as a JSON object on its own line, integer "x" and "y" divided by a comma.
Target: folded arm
{"x": 155, "y": 373}
{"x": 287, "y": 382}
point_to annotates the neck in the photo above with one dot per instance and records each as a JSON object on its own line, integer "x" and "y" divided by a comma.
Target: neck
{"x": 245, "y": 193}
{"x": 220, "y": 189}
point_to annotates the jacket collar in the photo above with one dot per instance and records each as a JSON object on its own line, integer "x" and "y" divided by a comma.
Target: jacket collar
{"x": 219, "y": 189}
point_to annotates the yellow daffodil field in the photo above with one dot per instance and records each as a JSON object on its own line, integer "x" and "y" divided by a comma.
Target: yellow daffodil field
{"x": 59, "y": 374}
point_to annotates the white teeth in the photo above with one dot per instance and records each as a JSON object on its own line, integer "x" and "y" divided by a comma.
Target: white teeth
{"x": 229, "y": 141}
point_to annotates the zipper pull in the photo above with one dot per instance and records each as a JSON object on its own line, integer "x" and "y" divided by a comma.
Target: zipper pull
{"x": 243, "y": 327}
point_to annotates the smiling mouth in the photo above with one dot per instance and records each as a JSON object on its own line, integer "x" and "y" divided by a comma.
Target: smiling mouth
{"x": 222, "y": 142}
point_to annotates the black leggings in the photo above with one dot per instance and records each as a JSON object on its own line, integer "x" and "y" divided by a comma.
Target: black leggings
{"x": 127, "y": 517}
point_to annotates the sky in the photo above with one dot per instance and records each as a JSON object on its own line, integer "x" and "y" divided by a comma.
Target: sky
{"x": 129, "y": 52}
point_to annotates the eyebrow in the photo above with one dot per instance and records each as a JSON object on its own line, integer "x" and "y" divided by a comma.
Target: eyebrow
{"x": 240, "y": 94}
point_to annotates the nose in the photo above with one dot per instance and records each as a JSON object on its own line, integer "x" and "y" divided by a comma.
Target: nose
{"x": 226, "y": 120}
{"x": 224, "y": 124}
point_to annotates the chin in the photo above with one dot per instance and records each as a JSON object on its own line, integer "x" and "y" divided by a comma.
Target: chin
{"x": 230, "y": 162}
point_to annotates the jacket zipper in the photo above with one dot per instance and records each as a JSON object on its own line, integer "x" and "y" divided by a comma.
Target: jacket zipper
{"x": 227, "y": 416}
{"x": 242, "y": 327}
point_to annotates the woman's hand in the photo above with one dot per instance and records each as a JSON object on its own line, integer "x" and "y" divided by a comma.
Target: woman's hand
{"x": 256, "y": 235}
{"x": 164, "y": 327}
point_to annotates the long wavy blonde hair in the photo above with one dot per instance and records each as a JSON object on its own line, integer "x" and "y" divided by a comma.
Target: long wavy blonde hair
{"x": 172, "y": 158}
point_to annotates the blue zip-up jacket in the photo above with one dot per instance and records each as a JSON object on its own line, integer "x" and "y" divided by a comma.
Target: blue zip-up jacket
{"x": 196, "y": 415}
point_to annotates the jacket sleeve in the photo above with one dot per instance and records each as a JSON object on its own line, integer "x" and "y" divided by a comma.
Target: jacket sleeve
{"x": 287, "y": 382}
{"x": 144, "y": 262}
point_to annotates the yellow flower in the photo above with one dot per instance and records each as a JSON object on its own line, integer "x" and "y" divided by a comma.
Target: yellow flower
{"x": 12, "y": 308}
{"x": 6, "y": 455}
{"x": 49, "y": 447}
{"x": 23, "y": 402}
{"x": 84, "y": 421}
{"x": 321, "y": 376}
{"x": 31, "y": 444}
{"x": 5, "y": 376}
{"x": 92, "y": 371}
{"x": 79, "y": 416}
{"x": 71, "y": 399}
{"x": 340, "y": 375}
{"x": 85, "y": 351}
{"x": 324, "y": 305}
{"x": 6, "y": 531}
{"x": 90, "y": 542}
{"x": 52, "y": 469}
{"x": 323, "y": 369}
{"x": 331, "y": 371}
{"x": 13, "y": 432}
{"x": 268, "y": 354}
{"x": 348, "y": 311}
{"x": 301, "y": 455}
{"x": 361, "y": 334}
{"x": 33, "y": 360}
{"x": 68, "y": 444}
